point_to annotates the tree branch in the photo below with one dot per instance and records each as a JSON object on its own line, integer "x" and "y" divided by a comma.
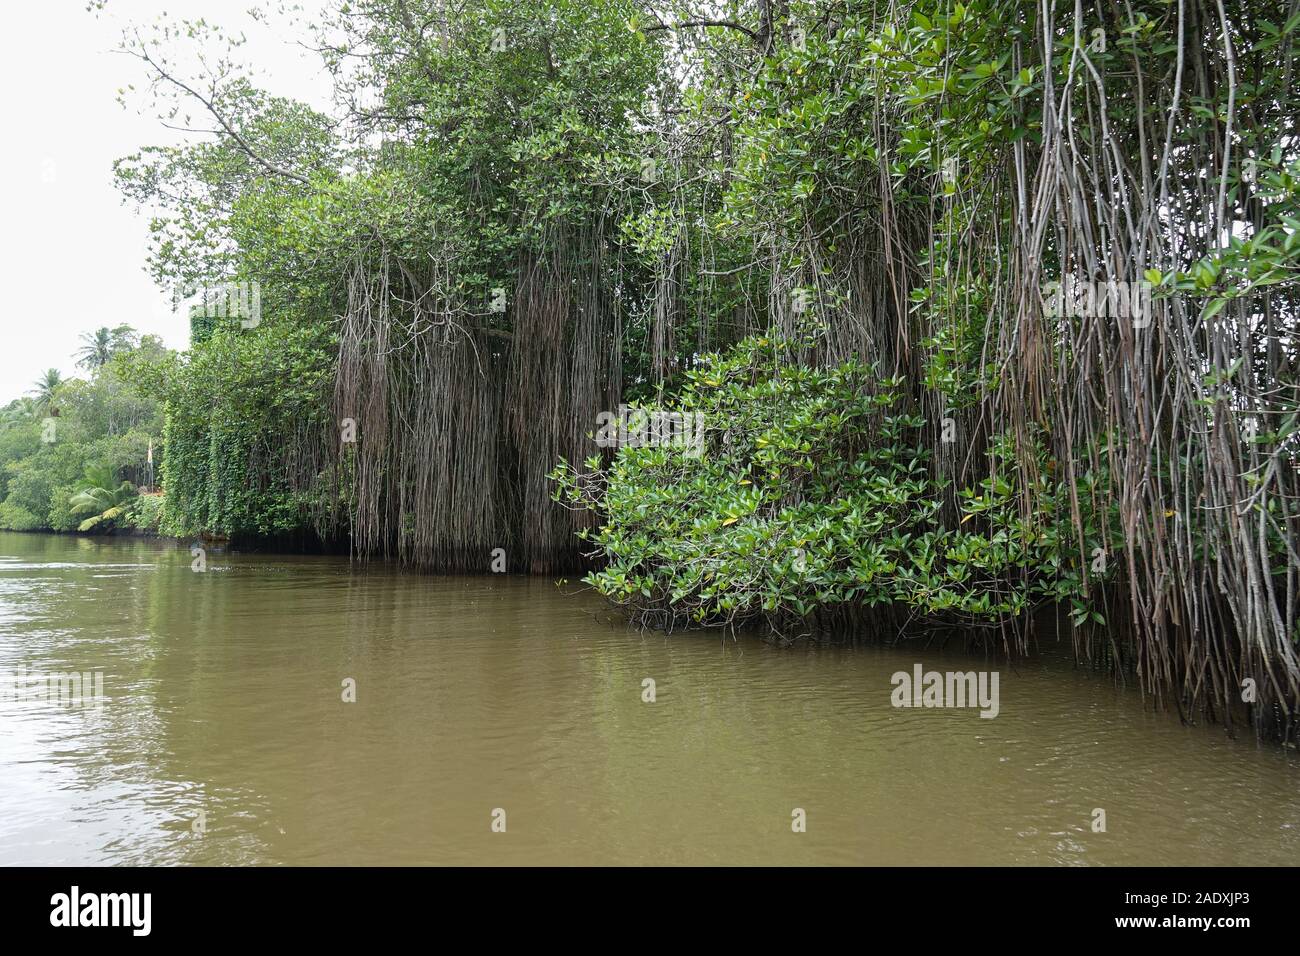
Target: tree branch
{"x": 143, "y": 54}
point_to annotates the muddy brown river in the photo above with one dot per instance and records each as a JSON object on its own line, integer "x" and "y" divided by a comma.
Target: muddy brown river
{"x": 507, "y": 720}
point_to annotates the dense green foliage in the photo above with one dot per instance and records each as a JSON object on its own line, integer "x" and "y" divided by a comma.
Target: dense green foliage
{"x": 231, "y": 411}
{"x": 814, "y": 495}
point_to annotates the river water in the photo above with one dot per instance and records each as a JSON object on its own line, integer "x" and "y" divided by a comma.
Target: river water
{"x": 222, "y": 735}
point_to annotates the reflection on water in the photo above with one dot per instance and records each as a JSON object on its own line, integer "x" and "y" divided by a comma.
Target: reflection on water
{"x": 224, "y": 699}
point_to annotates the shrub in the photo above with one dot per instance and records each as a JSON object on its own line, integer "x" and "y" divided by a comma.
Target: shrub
{"x": 146, "y": 513}
{"x": 814, "y": 494}
{"x": 14, "y": 517}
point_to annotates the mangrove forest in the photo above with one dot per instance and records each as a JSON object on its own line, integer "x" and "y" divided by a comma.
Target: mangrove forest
{"x": 629, "y": 394}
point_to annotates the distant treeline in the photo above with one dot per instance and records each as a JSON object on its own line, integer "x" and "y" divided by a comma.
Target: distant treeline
{"x": 75, "y": 453}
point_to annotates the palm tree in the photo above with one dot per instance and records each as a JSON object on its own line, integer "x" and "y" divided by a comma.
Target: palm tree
{"x": 99, "y": 498}
{"x": 102, "y": 344}
{"x": 18, "y": 411}
{"x": 45, "y": 388}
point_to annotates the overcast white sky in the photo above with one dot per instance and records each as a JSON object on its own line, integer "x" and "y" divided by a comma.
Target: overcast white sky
{"x": 71, "y": 253}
